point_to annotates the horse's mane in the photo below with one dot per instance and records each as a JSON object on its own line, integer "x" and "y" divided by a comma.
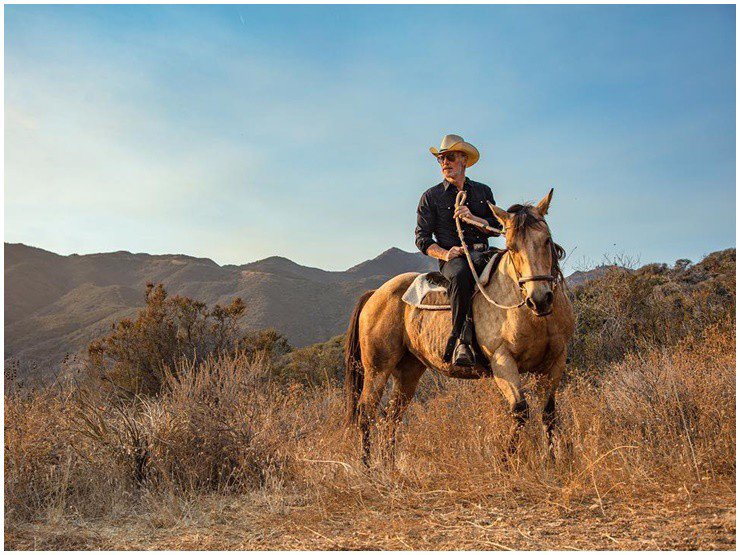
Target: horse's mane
{"x": 526, "y": 216}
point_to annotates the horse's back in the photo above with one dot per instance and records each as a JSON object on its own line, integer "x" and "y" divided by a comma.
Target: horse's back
{"x": 397, "y": 285}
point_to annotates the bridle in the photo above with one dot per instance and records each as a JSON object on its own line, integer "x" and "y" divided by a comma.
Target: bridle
{"x": 538, "y": 277}
{"x": 521, "y": 280}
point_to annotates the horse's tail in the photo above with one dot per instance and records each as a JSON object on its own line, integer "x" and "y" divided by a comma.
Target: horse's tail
{"x": 353, "y": 371}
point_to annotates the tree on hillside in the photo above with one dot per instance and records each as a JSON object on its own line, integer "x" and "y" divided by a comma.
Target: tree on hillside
{"x": 136, "y": 355}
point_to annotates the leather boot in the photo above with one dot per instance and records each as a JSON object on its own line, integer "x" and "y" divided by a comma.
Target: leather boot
{"x": 463, "y": 355}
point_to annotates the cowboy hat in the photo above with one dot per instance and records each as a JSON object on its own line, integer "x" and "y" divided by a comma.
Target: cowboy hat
{"x": 457, "y": 143}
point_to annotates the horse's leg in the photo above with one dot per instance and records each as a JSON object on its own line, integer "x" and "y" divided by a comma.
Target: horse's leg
{"x": 372, "y": 392}
{"x": 381, "y": 330}
{"x": 406, "y": 378}
{"x": 508, "y": 380}
{"x": 549, "y": 387}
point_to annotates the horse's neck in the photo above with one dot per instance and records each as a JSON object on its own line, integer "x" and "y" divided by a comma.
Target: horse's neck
{"x": 503, "y": 286}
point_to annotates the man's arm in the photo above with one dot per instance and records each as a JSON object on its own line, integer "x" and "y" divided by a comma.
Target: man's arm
{"x": 426, "y": 219}
{"x": 435, "y": 251}
{"x": 468, "y": 217}
{"x": 489, "y": 224}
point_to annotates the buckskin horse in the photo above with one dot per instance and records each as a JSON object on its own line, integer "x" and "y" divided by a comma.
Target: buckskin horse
{"x": 526, "y": 330}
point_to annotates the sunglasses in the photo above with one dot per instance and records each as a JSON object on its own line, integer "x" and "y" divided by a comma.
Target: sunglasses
{"x": 449, "y": 156}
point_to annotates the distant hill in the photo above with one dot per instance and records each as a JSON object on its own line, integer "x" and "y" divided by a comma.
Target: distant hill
{"x": 55, "y": 305}
{"x": 392, "y": 262}
{"x": 578, "y": 277}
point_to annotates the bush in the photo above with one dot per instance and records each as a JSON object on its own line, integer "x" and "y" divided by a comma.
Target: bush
{"x": 320, "y": 364}
{"x": 624, "y": 310}
{"x": 136, "y": 357}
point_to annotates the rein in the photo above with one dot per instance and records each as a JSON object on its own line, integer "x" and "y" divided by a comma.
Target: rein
{"x": 459, "y": 200}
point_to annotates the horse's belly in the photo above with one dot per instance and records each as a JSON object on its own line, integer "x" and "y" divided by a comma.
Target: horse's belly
{"x": 427, "y": 332}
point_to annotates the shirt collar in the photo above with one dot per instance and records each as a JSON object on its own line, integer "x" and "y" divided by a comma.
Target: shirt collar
{"x": 466, "y": 185}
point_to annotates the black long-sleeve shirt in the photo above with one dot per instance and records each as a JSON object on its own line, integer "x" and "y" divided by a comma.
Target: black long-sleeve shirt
{"x": 436, "y": 207}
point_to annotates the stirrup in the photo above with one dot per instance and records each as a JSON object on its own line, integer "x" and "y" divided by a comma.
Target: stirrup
{"x": 464, "y": 355}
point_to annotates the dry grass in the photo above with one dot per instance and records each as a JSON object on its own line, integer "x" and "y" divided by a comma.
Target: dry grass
{"x": 228, "y": 458}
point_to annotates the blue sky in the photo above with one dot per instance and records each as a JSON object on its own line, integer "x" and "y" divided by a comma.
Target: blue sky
{"x": 240, "y": 132}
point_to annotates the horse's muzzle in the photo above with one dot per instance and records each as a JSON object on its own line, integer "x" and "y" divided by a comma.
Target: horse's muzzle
{"x": 541, "y": 304}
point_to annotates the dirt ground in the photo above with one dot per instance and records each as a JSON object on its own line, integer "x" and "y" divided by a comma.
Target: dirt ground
{"x": 435, "y": 520}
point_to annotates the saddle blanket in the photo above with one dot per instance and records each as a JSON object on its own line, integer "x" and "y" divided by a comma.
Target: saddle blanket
{"x": 434, "y": 282}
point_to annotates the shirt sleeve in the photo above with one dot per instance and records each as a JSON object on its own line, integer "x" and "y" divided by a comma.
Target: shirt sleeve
{"x": 490, "y": 218}
{"x": 425, "y": 222}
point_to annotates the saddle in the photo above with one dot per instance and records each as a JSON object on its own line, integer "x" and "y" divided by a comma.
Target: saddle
{"x": 429, "y": 291}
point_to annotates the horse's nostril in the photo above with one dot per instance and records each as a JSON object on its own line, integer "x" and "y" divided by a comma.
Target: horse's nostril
{"x": 530, "y": 303}
{"x": 548, "y": 297}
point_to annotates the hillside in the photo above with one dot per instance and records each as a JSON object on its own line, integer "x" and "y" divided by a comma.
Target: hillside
{"x": 54, "y": 305}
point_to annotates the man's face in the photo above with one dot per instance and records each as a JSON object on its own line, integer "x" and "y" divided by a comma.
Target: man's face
{"x": 452, "y": 164}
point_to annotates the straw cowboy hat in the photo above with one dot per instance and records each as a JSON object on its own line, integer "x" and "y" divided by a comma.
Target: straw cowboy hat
{"x": 457, "y": 143}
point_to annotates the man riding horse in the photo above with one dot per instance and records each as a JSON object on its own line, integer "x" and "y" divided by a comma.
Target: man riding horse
{"x": 523, "y": 318}
{"x": 436, "y": 236}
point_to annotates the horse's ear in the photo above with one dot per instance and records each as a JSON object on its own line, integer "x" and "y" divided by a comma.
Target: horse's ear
{"x": 544, "y": 204}
{"x": 501, "y": 215}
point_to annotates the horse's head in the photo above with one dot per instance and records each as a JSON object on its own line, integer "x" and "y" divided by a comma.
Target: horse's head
{"x": 533, "y": 253}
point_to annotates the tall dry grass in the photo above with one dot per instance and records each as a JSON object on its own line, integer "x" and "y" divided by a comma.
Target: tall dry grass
{"x": 658, "y": 421}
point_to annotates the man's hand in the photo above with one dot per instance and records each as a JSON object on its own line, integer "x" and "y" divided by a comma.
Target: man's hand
{"x": 463, "y": 211}
{"x": 454, "y": 252}
{"x": 435, "y": 251}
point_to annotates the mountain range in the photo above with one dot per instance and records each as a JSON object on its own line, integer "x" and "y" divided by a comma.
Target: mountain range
{"x": 55, "y": 305}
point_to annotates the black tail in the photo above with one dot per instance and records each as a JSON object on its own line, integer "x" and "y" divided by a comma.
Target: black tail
{"x": 353, "y": 371}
